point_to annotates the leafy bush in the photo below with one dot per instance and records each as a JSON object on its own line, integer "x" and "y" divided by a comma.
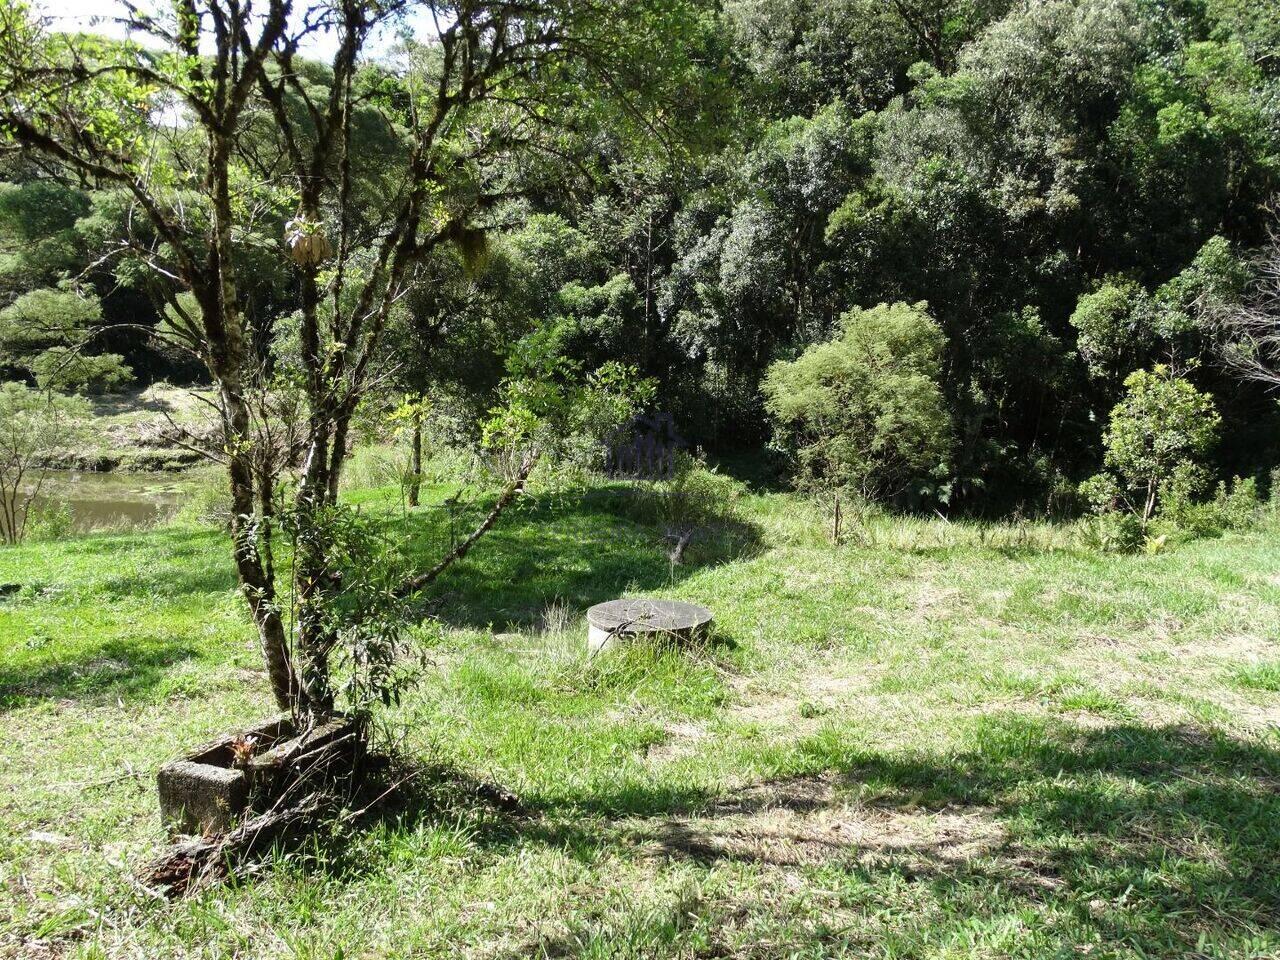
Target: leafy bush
{"x": 207, "y": 503}
{"x": 1238, "y": 505}
{"x": 41, "y": 318}
{"x": 1154, "y": 442}
{"x": 49, "y": 521}
{"x": 866, "y": 410}
{"x": 32, "y": 426}
{"x": 552, "y": 406}
{"x": 1106, "y": 321}
{"x": 1114, "y": 532}
{"x": 1234, "y": 506}
{"x": 70, "y": 371}
{"x": 44, "y": 332}
{"x": 372, "y": 656}
{"x": 693, "y": 494}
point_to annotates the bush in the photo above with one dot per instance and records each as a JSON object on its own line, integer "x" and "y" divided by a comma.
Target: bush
{"x": 207, "y": 503}
{"x": 33, "y": 426}
{"x": 1114, "y": 533}
{"x": 695, "y": 507}
{"x": 866, "y": 411}
{"x": 1154, "y": 441}
{"x": 1237, "y": 506}
{"x": 49, "y": 521}
{"x": 70, "y": 371}
{"x": 1234, "y": 506}
{"x": 694, "y": 494}
{"x": 1180, "y": 496}
{"x": 44, "y": 332}
{"x": 1106, "y": 325}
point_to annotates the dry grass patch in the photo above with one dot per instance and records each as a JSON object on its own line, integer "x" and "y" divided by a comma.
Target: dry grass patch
{"x": 809, "y": 822}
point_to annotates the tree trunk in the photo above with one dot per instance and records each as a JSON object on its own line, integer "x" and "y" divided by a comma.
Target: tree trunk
{"x": 216, "y": 292}
{"x": 313, "y": 578}
{"x": 415, "y": 465}
{"x": 257, "y": 586}
{"x": 513, "y": 490}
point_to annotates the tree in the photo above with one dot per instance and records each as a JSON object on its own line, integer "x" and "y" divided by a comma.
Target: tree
{"x": 46, "y": 331}
{"x": 1163, "y": 426}
{"x": 865, "y": 411}
{"x": 33, "y": 424}
{"x": 493, "y": 89}
{"x": 38, "y": 220}
{"x": 1249, "y": 323}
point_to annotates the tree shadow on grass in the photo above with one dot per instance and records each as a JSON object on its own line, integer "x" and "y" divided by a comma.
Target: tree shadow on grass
{"x": 760, "y": 471}
{"x": 167, "y": 584}
{"x": 572, "y": 550}
{"x": 101, "y": 673}
{"x": 1155, "y": 841}
{"x": 1126, "y": 836}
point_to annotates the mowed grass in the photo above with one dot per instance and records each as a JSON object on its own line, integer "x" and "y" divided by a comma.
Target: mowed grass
{"x": 936, "y": 740}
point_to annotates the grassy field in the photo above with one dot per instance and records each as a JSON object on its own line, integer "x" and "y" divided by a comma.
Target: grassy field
{"x": 936, "y": 740}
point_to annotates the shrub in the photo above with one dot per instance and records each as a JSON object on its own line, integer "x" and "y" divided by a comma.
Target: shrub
{"x": 1180, "y": 498}
{"x": 1106, "y": 323}
{"x": 693, "y": 494}
{"x": 1238, "y": 505}
{"x": 866, "y": 411}
{"x": 44, "y": 332}
{"x": 32, "y": 426}
{"x": 70, "y": 371}
{"x": 49, "y": 521}
{"x": 1114, "y": 532}
{"x": 695, "y": 507}
{"x": 206, "y": 503}
{"x": 1154, "y": 441}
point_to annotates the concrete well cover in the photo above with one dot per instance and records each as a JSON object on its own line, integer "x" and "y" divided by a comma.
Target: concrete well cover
{"x": 673, "y": 618}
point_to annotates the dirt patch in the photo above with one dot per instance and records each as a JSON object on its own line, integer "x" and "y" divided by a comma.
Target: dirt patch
{"x": 806, "y": 822}
{"x": 799, "y": 702}
{"x": 1236, "y": 647}
{"x": 683, "y": 740}
{"x": 1249, "y": 715}
{"x": 931, "y": 601}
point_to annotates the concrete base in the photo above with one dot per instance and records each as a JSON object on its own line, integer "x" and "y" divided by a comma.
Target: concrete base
{"x": 201, "y": 798}
{"x": 205, "y": 793}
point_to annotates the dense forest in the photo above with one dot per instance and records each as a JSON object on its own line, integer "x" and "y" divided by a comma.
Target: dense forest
{"x": 1057, "y": 184}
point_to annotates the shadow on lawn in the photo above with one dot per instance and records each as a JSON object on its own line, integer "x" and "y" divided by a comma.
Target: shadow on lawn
{"x": 157, "y": 582}
{"x": 572, "y": 549}
{"x": 1157, "y": 841}
{"x": 1150, "y": 837}
{"x": 116, "y": 668}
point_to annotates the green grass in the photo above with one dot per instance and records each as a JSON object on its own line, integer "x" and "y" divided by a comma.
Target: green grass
{"x": 937, "y": 740}
{"x": 1259, "y": 676}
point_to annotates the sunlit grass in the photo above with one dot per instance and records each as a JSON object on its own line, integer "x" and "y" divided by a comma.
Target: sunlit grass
{"x": 933, "y": 740}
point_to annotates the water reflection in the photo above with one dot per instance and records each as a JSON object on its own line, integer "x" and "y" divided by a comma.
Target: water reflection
{"x": 111, "y": 501}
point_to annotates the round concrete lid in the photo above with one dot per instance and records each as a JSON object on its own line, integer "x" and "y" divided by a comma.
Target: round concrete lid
{"x": 648, "y": 616}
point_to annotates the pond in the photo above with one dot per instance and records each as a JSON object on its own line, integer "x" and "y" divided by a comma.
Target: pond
{"x": 113, "y": 501}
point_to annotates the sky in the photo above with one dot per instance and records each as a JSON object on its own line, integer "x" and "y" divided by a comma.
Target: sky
{"x": 95, "y": 16}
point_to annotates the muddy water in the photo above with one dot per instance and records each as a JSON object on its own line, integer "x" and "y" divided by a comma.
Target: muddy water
{"x": 113, "y": 501}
